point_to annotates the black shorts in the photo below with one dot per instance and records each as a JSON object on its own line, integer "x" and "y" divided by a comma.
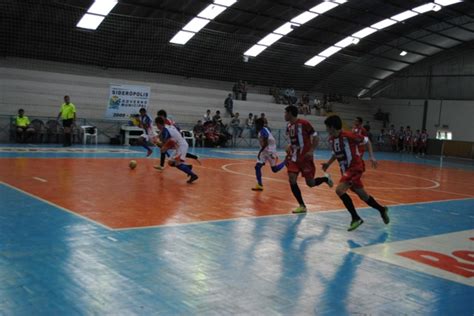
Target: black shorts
{"x": 67, "y": 123}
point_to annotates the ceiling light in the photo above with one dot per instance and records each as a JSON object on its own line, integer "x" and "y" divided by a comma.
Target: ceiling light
{"x": 364, "y": 32}
{"x": 330, "y": 51}
{"x": 102, "y": 7}
{"x": 255, "y": 50}
{"x": 347, "y": 41}
{"x": 211, "y": 11}
{"x": 383, "y": 24}
{"x": 270, "y": 39}
{"x": 404, "y": 16}
{"x": 314, "y": 61}
{"x": 195, "y": 25}
{"x": 226, "y": 3}
{"x": 182, "y": 37}
{"x": 323, "y": 7}
{"x": 447, "y": 2}
{"x": 427, "y": 7}
{"x": 403, "y": 53}
{"x": 285, "y": 28}
{"x": 304, "y": 17}
{"x": 90, "y": 21}
{"x": 339, "y": 1}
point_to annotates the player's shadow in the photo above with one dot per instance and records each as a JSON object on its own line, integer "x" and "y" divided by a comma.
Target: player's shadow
{"x": 334, "y": 299}
{"x": 293, "y": 274}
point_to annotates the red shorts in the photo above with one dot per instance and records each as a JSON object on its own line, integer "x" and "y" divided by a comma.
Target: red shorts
{"x": 303, "y": 165}
{"x": 352, "y": 176}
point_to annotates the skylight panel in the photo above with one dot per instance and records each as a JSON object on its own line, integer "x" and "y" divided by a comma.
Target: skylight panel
{"x": 426, "y": 8}
{"x": 195, "y": 25}
{"x": 347, "y": 41}
{"x": 447, "y": 2}
{"x": 270, "y": 39}
{"x": 226, "y": 3}
{"x": 211, "y": 11}
{"x": 285, "y": 28}
{"x": 330, "y": 51}
{"x": 364, "y": 32}
{"x": 102, "y": 7}
{"x": 90, "y": 21}
{"x": 323, "y": 7}
{"x": 304, "y": 17}
{"x": 314, "y": 61}
{"x": 404, "y": 16}
{"x": 255, "y": 50}
{"x": 182, "y": 37}
{"x": 383, "y": 24}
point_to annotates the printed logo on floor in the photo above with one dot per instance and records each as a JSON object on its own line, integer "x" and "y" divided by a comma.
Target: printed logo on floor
{"x": 448, "y": 256}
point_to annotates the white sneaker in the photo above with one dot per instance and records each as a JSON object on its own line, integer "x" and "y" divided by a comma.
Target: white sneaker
{"x": 330, "y": 182}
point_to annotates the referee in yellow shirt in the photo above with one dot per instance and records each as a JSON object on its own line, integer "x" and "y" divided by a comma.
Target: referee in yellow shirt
{"x": 68, "y": 115}
{"x": 23, "y": 127}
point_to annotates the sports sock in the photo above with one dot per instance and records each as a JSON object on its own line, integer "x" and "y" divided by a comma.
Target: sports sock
{"x": 279, "y": 166}
{"x": 258, "y": 172}
{"x": 162, "y": 159}
{"x": 346, "y": 199}
{"x": 192, "y": 156}
{"x": 321, "y": 180}
{"x": 297, "y": 193}
{"x": 185, "y": 169}
{"x": 372, "y": 203}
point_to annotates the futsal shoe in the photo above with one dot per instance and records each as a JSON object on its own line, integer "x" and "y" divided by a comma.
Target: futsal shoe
{"x": 330, "y": 182}
{"x": 149, "y": 152}
{"x": 159, "y": 168}
{"x": 192, "y": 179}
{"x": 384, "y": 215}
{"x": 355, "y": 224}
{"x": 299, "y": 210}
{"x": 258, "y": 187}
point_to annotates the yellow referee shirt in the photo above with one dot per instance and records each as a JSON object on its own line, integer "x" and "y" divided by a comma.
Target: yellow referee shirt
{"x": 22, "y": 121}
{"x": 67, "y": 111}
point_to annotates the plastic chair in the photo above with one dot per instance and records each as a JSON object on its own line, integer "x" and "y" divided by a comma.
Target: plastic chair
{"x": 189, "y": 135}
{"x": 89, "y": 131}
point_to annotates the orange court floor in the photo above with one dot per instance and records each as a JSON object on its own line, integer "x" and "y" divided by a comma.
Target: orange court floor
{"x": 108, "y": 192}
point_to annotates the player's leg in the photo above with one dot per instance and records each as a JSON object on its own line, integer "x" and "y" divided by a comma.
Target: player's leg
{"x": 143, "y": 141}
{"x": 341, "y": 191}
{"x": 258, "y": 175}
{"x": 364, "y": 196}
{"x": 275, "y": 166}
{"x": 292, "y": 177}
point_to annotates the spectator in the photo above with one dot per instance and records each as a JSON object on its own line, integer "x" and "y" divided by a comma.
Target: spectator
{"x": 235, "y": 90}
{"x": 207, "y": 116}
{"x": 217, "y": 118}
{"x": 68, "y": 116}
{"x": 275, "y": 92}
{"x": 244, "y": 91}
{"x": 392, "y": 133}
{"x": 240, "y": 86}
{"x": 235, "y": 124}
{"x": 229, "y": 105}
{"x": 317, "y": 106}
{"x": 23, "y": 128}
{"x": 305, "y": 104}
{"x": 250, "y": 125}
{"x": 381, "y": 140}
{"x": 198, "y": 131}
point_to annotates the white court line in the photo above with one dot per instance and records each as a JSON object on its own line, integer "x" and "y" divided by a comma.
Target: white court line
{"x": 40, "y": 179}
{"x": 55, "y": 205}
{"x": 454, "y": 193}
{"x": 274, "y": 215}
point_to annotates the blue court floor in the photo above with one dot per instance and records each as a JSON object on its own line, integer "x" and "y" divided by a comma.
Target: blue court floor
{"x": 53, "y": 262}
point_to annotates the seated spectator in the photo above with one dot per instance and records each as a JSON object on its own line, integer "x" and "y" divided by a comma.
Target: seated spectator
{"x": 235, "y": 124}
{"x": 207, "y": 116}
{"x": 229, "y": 105}
{"x": 213, "y": 135}
{"x": 217, "y": 117}
{"x": 134, "y": 120}
{"x": 305, "y": 104}
{"x": 22, "y": 126}
{"x": 198, "y": 131}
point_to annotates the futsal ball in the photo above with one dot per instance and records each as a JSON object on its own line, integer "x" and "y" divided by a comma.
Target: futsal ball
{"x": 132, "y": 164}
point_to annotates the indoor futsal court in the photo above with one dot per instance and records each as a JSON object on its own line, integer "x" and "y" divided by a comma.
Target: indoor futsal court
{"x": 83, "y": 233}
{"x": 236, "y": 157}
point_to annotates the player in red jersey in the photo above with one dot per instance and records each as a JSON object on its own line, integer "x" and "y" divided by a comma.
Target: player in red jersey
{"x": 345, "y": 148}
{"x": 358, "y": 129}
{"x": 300, "y": 151}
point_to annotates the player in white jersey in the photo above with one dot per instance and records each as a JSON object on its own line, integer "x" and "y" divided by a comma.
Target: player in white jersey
{"x": 175, "y": 143}
{"x": 267, "y": 153}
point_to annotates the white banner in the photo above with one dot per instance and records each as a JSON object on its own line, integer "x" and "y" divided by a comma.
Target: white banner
{"x": 125, "y": 100}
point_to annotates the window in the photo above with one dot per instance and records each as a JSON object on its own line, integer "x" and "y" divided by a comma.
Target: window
{"x": 444, "y": 134}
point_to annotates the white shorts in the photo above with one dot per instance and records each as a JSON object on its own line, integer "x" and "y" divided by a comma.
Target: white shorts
{"x": 179, "y": 154}
{"x": 149, "y": 138}
{"x": 269, "y": 156}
